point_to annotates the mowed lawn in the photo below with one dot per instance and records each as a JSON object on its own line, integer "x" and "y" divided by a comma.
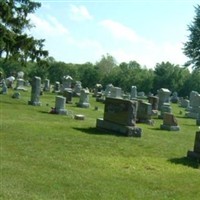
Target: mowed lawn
{"x": 48, "y": 157}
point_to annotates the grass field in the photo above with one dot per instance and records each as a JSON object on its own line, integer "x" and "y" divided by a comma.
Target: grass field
{"x": 45, "y": 156}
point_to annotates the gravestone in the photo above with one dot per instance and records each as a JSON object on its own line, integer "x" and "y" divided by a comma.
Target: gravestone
{"x": 196, "y": 150}
{"x": 35, "y": 92}
{"x": 97, "y": 90}
{"x": 67, "y": 93}
{"x": 46, "y": 85}
{"x": 133, "y": 92}
{"x": 107, "y": 91}
{"x": 174, "y": 98}
{"x": 4, "y": 87}
{"x": 169, "y": 123}
{"x": 84, "y": 99}
{"x": 120, "y": 116}
{"x": 66, "y": 82}
{"x": 153, "y": 100}
{"x": 144, "y": 112}
{"x": 166, "y": 108}
{"x": 116, "y": 92}
{"x": 56, "y": 87}
{"x": 77, "y": 89}
{"x": 194, "y": 105}
{"x": 60, "y": 105}
{"x": 185, "y": 103}
{"x": 20, "y": 85}
{"x": 164, "y": 97}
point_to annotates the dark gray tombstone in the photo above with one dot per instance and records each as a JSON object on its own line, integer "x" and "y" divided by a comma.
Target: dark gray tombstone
{"x": 120, "y": 116}
{"x": 196, "y": 150}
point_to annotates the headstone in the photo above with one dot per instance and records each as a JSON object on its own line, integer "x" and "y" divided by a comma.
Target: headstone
{"x": 153, "y": 100}
{"x": 77, "y": 88}
{"x": 120, "y": 116}
{"x": 196, "y": 150}
{"x": 144, "y": 112}
{"x": 9, "y": 81}
{"x": 169, "y": 123}
{"x": 98, "y": 90}
{"x": 133, "y": 92}
{"x": 185, "y": 103}
{"x": 84, "y": 99}
{"x": 166, "y": 108}
{"x": 20, "y": 85}
{"x": 35, "y": 92}
{"x": 194, "y": 105}
{"x": 67, "y": 93}
{"x": 57, "y": 87}
{"x": 66, "y": 82}
{"x": 4, "y": 87}
{"x": 174, "y": 98}
{"x": 60, "y": 105}
{"x": 164, "y": 97}
{"x": 46, "y": 85}
{"x": 116, "y": 92}
{"x": 107, "y": 91}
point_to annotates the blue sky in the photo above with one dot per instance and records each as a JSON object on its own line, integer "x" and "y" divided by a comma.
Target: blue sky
{"x": 147, "y": 31}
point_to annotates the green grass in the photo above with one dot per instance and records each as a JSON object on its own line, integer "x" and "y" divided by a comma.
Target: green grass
{"x": 45, "y": 156}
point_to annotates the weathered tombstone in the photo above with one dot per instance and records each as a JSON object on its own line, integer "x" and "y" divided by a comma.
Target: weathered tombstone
{"x": 120, "y": 117}
{"x": 194, "y": 105}
{"x": 116, "y": 92}
{"x": 60, "y": 105}
{"x": 20, "y": 84}
{"x": 196, "y": 150}
{"x": 77, "y": 88}
{"x": 9, "y": 81}
{"x": 107, "y": 91}
{"x": 66, "y": 82}
{"x": 84, "y": 99}
{"x": 169, "y": 123}
{"x": 144, "y": 112}
{"x": 166, "y": 108}
{"x": 4, "y": 87}
{"x": 97, "y": 90}
{"x": 133, "y": 92}
{"x": 153, "y": 100}
{"x": 174, "y": 98}
{"x": 57, "y": 87}
{"x": 164, "y": 97}
{"x": 185, "y": 103}
{"x": 67, "y": 93}
{"x": 35, "y": 92}
{"x": 46, "y": 85}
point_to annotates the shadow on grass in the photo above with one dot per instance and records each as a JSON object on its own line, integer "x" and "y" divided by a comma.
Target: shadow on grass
{"x": 95, "y": 131}
{"x": 185, "y": 161}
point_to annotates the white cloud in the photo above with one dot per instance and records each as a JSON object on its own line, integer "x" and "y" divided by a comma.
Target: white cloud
{"x": 49, "y": 26}
{"x": 79, "y": 13}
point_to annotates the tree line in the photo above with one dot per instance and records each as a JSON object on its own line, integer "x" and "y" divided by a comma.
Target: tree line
{"x": 22, "y": 52}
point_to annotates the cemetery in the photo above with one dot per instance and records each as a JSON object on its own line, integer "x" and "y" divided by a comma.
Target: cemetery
{"x": 96, "y": 148}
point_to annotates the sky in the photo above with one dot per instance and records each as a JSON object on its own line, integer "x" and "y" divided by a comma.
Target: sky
{"x": 146, "y": 31}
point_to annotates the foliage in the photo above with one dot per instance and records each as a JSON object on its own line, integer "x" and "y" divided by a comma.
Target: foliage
{"x": 15, "y": 44}
{"x": 192, "y": 46}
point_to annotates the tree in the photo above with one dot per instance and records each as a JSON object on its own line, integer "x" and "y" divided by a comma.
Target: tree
{"x": 14, "y": 43}
{"x": 192, "y": 46}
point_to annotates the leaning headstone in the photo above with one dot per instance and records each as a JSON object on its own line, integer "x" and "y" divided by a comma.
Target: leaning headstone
{"x": 164, "y": 97}
{"x": 196, "y": 150}
{"x": 116, "y": 92}
{"x": 133, "y": 92}
{"x": 60, "y": 105}
{"x": 35, "y": 92}
{"x": 169, "y": 123}
{"x": 120, "y": 116}
{"x": 84, "y": 99}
